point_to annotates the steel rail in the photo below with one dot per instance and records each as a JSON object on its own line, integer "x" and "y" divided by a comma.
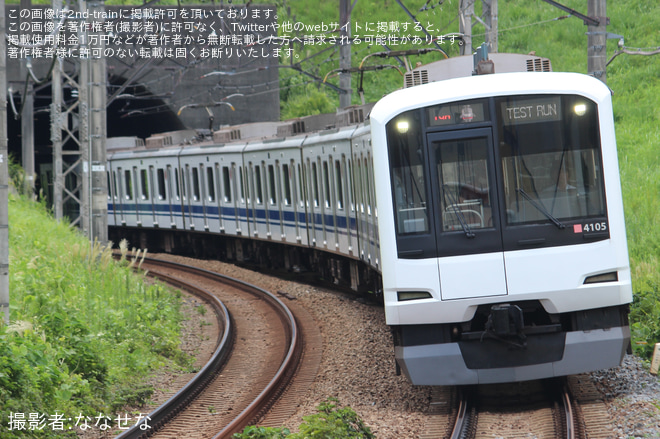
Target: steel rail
{"x": 161, "y": 415}
{"x": 462, "y": 418}
{"x": 568, "y": 414}
{"x": 270, "y": 392}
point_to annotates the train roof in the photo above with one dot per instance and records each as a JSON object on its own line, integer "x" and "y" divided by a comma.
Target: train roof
{"x": 499, "y": 84}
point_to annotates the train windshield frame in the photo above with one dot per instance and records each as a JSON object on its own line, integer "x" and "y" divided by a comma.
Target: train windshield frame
{"x": 496, "y": 174}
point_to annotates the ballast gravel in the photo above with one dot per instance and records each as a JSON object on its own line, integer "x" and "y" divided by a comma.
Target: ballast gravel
{"x": 357, "y": 367}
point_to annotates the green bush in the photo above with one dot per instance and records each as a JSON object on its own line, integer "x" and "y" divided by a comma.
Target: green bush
{"x": 329, "y": 423}
{"x": 86, "y": 330}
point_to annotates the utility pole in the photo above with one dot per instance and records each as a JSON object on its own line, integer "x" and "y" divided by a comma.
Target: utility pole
{"x": 596, "y": 21}
{"x": 69, "y": 129}
{"x": 465, "y": 12}
{"x": 4, "y": 176}
{"x": 98, "y": 221}
{"x": 27, "y": 115}
{"x": 597, "y": 39}
{"x": 344, "y": 53}
{"x": 490, "y": 17}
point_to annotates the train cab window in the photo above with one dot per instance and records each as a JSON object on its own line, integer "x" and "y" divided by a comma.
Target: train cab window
{"x": 195, "y": 185}
{"x": 272, "y": 188}
{"x": 210, "y": 184}
{"x": 160, "y": 176}
{"x": 226, "y": 183}
{"x": 128, "y": 183}
{"x": 549, "y": 147}
{"x": 287, "y": 184}
{"x": 338, "y": 185}
{"x": 463, "y": 172}
{"x": 405, "y": 147}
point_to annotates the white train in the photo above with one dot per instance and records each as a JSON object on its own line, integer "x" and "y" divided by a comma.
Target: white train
{"x": 498, "y": 242}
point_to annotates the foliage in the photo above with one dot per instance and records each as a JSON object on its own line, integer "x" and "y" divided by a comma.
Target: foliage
{"x": 329, "y": 423}
{"x": 85, "y": 329}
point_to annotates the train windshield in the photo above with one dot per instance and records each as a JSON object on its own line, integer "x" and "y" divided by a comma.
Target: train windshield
{"x": 549, "y": 149}
{"x": 518, "y": 161}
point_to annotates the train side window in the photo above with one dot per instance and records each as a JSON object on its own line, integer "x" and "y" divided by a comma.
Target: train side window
{"x": 210, "y": 184}
{"x": 367, "y": 185}
{"x": 144, "y": 184}
{"x": 302, "y": 190}
{"x": 287, "y": 184}
{"x": 184, "y": 175}
{"x": 195, "y": 184}
{"x": 116, "y": 180}
{"x": 257, "y": 183}
{"x": 245, "y": 194}
{"x": 349, "y": 175}
{"x": 107, "y": 174}
{"x": 128, "y": 183}
{"x": 326, "y": 185}
{"x": 272, "y": 197}
{"x": 174, "y": 178}
{"x": 339, "y": 187}
{"x": 226, "y": 183}
{"x": 359, "y": 185}
{"x": 160, "y": 175}
{"x": 315, "y": 185}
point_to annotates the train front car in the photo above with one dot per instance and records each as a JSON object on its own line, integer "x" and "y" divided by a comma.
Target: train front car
{"x": 507, "y": 259}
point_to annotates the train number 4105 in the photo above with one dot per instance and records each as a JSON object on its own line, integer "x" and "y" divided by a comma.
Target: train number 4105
{"x": 590, "y": 227}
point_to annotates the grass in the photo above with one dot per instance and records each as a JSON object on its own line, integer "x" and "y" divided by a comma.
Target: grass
{"x": 85, "y": 331}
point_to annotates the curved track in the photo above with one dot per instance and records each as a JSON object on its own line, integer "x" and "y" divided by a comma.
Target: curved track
{"x": 235, "y": 388}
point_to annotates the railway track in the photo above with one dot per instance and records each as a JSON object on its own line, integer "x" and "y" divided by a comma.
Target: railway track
{"x": 552, "y": 409}
{"x": 255, "y": 360}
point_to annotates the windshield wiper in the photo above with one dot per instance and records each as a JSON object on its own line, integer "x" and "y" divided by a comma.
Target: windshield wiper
{"x": 459, "y": 214}
{"x": 541, "y": 209}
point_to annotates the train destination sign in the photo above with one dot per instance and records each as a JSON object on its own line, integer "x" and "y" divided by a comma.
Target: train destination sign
{"x": 518, "y": 112}
{"x": 457, "y": 113}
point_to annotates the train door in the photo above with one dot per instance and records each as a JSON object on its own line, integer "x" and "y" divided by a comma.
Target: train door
{"x": 174, "y": 195}
{"x": 121, "y": 197}
{"x": 302, "y": 195}
{"x": 329, "y": 213}
{"x": 283, "y": 197}
{"x": 468, "y": 236}
{"x": 220, "y": 184}
{"x": 232, "y": 190}
{"x": 273, "y": 212}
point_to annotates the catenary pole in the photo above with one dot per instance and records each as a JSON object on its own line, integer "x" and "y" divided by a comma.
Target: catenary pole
{"x": 597, "y": 40}
{"x": 98, "y": 220}
{"x": 345, "y": 53}
{"x": 27, "y": 115}
{"x": 4, "y": 175}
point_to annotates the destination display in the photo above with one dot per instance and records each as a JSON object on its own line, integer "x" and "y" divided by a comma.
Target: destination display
{"x": 538, "y": 109}
{"x": 457, "y": 113}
